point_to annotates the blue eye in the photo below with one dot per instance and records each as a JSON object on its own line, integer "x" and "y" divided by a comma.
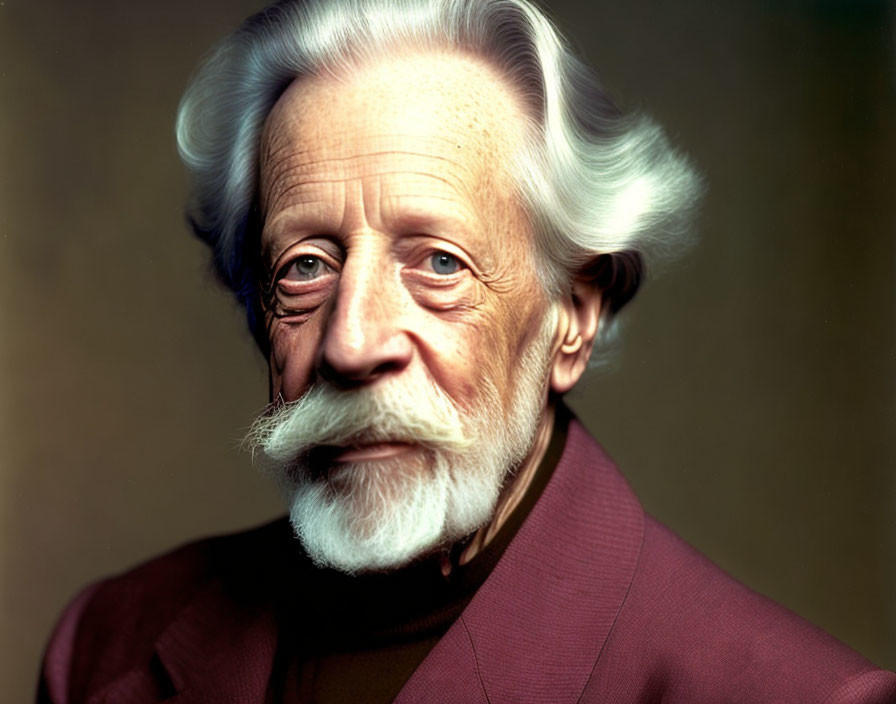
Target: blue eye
{"x": 444, "y": 263}
{"x": 304, "y": 267}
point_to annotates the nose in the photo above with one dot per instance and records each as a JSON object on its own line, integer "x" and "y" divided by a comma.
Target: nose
{"x": 363, "y": 339}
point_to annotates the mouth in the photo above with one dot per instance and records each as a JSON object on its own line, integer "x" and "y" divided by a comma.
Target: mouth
{"x": 367, "y": 452}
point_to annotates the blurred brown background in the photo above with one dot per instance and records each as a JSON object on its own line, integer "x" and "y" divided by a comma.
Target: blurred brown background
{"x": 751, "y": 404}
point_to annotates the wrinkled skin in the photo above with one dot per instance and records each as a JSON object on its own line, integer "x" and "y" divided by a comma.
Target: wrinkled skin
{"x": 396, "y": 242}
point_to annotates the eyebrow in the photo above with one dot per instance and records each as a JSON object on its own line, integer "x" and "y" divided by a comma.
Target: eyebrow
{"x": 298, "y": 221}
{"x": 417, "y": 219}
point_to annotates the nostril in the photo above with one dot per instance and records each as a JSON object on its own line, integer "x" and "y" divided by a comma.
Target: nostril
{"x": 341, "y": 376}
{"x": 327, "y": 372}
{"x": 353, "y": 370}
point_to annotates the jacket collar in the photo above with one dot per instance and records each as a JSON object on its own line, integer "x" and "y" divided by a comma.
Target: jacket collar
{"x": 533, "y": 631}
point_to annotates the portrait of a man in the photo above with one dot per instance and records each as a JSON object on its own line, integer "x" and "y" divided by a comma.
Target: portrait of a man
{"x": 434, "y": 218}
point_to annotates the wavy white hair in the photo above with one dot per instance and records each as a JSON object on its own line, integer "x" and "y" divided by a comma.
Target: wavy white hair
{"x": 604, "y": 191}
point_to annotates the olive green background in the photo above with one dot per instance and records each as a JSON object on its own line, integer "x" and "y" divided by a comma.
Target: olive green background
{"x": 751, "y": 402}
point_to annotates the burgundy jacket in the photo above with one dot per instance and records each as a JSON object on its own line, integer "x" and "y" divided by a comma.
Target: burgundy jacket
{"x": 591, "y": 602}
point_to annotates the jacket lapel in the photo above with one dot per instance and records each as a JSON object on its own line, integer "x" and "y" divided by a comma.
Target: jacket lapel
{"x": 216, "y": 651}
{"x": 535, "y": 629}
{"x": 217, "y": 654}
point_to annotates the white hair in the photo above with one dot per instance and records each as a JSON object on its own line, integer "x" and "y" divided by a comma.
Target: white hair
{"x": 594, "y": 181}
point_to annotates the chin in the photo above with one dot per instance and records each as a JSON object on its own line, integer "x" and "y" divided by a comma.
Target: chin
{"x": 379, "y": 516}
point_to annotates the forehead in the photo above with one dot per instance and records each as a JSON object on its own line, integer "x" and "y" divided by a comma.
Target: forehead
{"x": 440, "y": 114}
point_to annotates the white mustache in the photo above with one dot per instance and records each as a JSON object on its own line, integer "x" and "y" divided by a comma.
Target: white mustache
{"x": 424, "y": 415}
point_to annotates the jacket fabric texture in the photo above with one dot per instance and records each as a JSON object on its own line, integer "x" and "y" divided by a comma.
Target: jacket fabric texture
{"x": 592, "y": 601}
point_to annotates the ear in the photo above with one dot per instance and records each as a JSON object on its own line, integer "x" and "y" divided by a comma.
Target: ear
{"x": 577, "y": 328}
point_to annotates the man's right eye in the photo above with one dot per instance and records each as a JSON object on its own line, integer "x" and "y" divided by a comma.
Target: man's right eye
{"x": 303, "y": 268}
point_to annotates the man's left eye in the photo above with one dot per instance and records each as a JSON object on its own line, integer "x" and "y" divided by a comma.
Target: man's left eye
{"x": 444, "y": 263}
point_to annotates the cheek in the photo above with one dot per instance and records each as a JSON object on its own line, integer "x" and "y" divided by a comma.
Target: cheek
{"x": 465, "y": 371}
{"x": 514, "y": 330}
{"x": 469, "y": 356}
{"x": 292, "y": 358}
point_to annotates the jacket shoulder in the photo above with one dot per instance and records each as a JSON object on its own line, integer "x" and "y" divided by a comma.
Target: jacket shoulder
{"x": 700, "y": 635}
{"x": 112, "y": 625}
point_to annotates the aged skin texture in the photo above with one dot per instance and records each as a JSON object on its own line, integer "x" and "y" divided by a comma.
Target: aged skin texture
{"x": 392, "y": 230}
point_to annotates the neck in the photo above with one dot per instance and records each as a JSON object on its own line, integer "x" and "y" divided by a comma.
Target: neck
{"x": 513, "y": 492}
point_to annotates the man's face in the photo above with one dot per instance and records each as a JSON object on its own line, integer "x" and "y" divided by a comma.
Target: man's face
{"x": 403, "y": 269}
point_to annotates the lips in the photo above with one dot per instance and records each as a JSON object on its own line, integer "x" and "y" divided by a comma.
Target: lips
{"x": 368, "y": 451}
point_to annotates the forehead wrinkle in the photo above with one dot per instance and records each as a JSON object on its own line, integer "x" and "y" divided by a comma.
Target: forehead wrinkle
{"x": 475, "y": 100}
{"x": 427, "y": 196}
{"x": 281, "y": 177}
{"x": 272, "y": 158}
{"x": 288, "y": 132}
{"x": 308, "y": 166}
{"x": 389, "y": 152}
{"x": 275, "y": 143}
{"x": 336, "y": 179}
{"x": 456, "y": 185}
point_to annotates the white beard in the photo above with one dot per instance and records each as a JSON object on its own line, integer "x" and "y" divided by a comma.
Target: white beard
{"x": 381, "y": 514}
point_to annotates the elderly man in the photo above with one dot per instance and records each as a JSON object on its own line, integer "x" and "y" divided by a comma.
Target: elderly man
{"x": 431, "y": 214}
